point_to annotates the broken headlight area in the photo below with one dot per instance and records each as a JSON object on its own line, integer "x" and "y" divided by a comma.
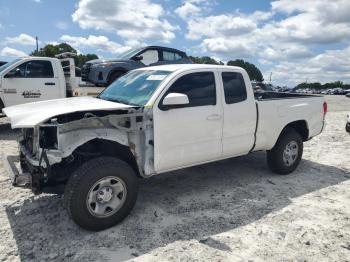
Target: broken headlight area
{"x": 28, "y": 139}
{"x": 48, "y": 137}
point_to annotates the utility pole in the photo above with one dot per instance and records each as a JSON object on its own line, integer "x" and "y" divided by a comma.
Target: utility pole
{"x": 270, "y": 77}
{"x": 37, "y": 44}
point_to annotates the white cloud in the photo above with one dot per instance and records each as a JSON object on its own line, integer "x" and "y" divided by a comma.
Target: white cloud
{"x": 22, "y": 39}
{"x": 328, "y": 66}
{"x": 37, "y": 1}
{"x": 223, "y": 47}
{"x": 7, "y": 51}
{"x": 312, "y": 21}
{"x": 132, "y": 21}
{"x": 101, "y": 43}
{"x": 62, "y": 25}
{"x": 52, "y": 43}
{"x": 221, "y": 25}
{"x": 287, "y": 38}
{"x": 188, "y": 10}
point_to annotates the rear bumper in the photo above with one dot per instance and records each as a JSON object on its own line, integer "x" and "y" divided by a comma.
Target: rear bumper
{"x": 18, "y": 178}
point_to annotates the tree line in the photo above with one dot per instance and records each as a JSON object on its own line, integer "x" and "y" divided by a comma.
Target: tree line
{"x": 319, "y": 86}
{"x": 52, "y": 50}
{"x": 253, "y": 72}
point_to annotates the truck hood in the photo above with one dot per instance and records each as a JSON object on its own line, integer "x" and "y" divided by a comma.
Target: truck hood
{"x": 32, "y": 114}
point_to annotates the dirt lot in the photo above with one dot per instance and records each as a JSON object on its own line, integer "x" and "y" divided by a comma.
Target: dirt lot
{"x": 233, "y": 210}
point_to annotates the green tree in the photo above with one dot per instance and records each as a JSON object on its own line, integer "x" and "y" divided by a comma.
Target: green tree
{"x": 316, "y": 85}
{"x": 253, "y": 72}
{"x": 52, "y": 50}
{"x": 205, "y": 60}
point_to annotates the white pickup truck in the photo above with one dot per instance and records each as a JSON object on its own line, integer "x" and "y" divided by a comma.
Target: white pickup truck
{"x": 32, "y": 79}
{"x": 150, "y": 121}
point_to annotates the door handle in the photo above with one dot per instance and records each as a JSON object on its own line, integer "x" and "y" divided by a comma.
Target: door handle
{"x": 214, "y": 117}
{"x": 50, "y": 84}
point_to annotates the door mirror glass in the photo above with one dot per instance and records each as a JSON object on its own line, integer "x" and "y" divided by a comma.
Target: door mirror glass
{"x": 175, "y": 99}
{"x": 137, "y": 58}
{"x": 13, "y": 73}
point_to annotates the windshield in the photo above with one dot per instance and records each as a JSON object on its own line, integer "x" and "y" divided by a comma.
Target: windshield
{"x": 134, "y": 88}
{"x": 3, "y": 67}
{"x": 129, "y": 54}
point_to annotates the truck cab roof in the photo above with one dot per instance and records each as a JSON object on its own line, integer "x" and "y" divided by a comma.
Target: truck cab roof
{"x": 186, "y": 67}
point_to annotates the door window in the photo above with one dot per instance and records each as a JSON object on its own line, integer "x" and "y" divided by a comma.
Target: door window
{"x": 170, "y": 56}
{"x": 199, "y": 87}
{"x": 35, "y": 69}
{"x": 234, "y": 87}
{"x": 149, "y": 57}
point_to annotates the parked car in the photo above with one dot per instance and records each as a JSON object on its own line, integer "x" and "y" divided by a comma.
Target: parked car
{"x": 151, "y": 121}
{"x": 32, "y": 79}
{"x": 103, "y": 72}
{"x": 348, "y": 95}
{"x": 262, "y": 87}
{"x": 347, "y": 126}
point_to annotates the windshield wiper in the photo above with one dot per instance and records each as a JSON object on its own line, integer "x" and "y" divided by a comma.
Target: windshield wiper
{"x": 121, "y": 101}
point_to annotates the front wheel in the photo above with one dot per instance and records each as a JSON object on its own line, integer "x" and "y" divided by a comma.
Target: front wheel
{"x": 114, "y": 76}
{"x": 285, "y": 156}
{"x": 101, "y": 193}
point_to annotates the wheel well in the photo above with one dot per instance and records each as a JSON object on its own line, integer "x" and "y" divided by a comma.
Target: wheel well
{"x": 299, "y": 126}
{"x": 98, "y": 147}
{"x": 121, "y": 70}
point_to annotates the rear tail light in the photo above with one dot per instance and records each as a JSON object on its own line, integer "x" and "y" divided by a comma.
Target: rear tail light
{"x": 325, "y": 108}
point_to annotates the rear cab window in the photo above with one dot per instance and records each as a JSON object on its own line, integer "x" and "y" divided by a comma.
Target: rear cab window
{"x": 199, "y": 87}
{"x": 171, "y": 56}
{"x": 234, "y": 87}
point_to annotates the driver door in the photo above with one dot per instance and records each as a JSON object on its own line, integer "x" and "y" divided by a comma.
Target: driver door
{"x": 32, "y": 81}
{"x": 189, "y": 134}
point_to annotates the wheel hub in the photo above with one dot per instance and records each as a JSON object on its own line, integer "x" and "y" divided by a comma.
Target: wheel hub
{"x": 105, "y": 195}
{"x": 290, "y": 153}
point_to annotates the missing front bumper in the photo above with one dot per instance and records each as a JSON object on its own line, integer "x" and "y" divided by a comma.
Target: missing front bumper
{"x": 18, "y": 178}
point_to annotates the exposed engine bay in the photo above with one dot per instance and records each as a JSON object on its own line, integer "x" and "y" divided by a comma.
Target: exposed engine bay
{"x": 51, "y": 150}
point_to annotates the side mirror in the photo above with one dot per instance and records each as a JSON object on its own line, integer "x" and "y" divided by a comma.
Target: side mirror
{"x": 175, "y": 99}
{"x": 13, "y": 73}
{"x": 137, "y": 58}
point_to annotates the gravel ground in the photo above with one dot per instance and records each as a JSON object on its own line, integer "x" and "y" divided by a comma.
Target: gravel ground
{"x": 232, "y": 210}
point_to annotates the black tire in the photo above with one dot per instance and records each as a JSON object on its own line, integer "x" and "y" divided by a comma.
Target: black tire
{"x": 2, "y": 106}
{"x": 83, "y": 179}
{"x": 275, "y": 159}
{"x": 114, "y": 76}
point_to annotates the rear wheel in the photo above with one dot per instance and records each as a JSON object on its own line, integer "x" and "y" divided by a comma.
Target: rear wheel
{"x": 101, "y": 193}
{"x": 114, "y": 76}
{"x": 285, "y": 156}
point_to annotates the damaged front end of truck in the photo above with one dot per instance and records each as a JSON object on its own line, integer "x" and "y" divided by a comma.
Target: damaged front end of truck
{"x": 52, "y": 150}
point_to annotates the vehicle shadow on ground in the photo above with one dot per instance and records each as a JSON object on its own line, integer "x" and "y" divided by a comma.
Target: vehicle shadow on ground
{"x": 6, "y": 133}
{"x": 193, "y": 203}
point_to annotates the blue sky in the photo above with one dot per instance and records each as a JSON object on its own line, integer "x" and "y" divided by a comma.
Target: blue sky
{"x": 295, "y": 40}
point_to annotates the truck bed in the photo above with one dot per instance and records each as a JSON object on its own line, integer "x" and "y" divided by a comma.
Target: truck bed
{"x": 260, "y": 96}
{"x": 275, "y": 110}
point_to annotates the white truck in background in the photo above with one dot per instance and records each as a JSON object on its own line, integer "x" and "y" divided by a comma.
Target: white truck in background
{"x": 33, "y": 79}
{"x": 150, "y": 121}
